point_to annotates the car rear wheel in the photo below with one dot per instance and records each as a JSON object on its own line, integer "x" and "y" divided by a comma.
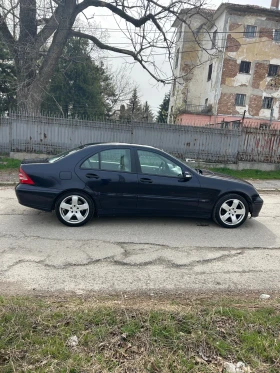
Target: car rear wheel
{"x": 74, "y": 209}
{"x": 231, "y": 211}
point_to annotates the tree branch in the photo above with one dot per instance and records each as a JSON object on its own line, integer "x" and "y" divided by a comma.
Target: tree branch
{"x": 49, "y": 28}
{"x": 96, "y": 3}
{"x": 127, "y": 52}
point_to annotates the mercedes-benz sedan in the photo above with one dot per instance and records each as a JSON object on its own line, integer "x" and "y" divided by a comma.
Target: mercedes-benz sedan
{"x": 116, "y": 178}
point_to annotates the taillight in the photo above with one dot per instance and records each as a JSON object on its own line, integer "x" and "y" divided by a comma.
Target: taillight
{"x": 24, "y": 178}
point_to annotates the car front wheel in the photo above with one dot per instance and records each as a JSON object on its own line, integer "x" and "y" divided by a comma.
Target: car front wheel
{"x": 231, "y": 211}
{"x": 74, "y": 209}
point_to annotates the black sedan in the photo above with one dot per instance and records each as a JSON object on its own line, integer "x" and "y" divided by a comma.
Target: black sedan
{"x": 111, "y": 179}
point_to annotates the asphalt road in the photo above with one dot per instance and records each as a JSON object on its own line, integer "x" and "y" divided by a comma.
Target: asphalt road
{"x": 37, "y": 253}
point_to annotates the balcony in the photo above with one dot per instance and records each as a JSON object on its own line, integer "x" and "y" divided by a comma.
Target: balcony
{"x": 197, "y": 109}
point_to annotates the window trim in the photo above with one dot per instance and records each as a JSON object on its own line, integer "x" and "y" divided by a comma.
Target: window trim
{"x": 245, "y": 64}
{"x": 139, "y": 170}
{"x": 247, "y": 33}
{"x": 237, "y": 102}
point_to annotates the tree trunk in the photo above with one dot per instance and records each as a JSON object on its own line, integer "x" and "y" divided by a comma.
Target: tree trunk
{"x": 34, "y": 75}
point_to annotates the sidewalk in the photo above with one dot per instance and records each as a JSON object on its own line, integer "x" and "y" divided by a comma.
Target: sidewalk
{"x": 11, "y": 178}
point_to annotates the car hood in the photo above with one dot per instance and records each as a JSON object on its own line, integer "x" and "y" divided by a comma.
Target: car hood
{"x": 217, "y": 175}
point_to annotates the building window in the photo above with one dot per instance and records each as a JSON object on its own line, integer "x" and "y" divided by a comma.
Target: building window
{"x": 276, "y": 35}
{"x": 210, "y": 69}
{"x": 174, "y": 88}
{"x": 267, "y": 102}
{"x": 179, "y": 32}
{"x": 177, "y": 58}
{"x": 273, "y": 70}
{"x": 245, "y": 67}
{"x": 240, "y": 99}
{"x": 250, "y": 31}
{"x": 214, "y": 39}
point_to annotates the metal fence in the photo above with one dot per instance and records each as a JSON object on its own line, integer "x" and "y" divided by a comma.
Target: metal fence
{"x": 50, "y": 135}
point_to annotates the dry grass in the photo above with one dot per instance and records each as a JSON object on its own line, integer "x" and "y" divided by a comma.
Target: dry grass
{"x": 138, "y": 334}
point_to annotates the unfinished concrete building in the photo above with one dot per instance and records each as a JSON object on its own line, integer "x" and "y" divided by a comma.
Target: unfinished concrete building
{"x": 227, "y": 62}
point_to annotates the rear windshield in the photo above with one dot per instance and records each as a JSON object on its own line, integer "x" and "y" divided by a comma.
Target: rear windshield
{"x": 57, "y": 157}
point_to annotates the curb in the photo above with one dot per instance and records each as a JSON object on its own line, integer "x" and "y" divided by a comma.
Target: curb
{"x": 8, "y": 183}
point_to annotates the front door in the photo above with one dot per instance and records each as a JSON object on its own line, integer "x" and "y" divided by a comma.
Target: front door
{"x": 109, "y": 177}
{"x": 162, "y": 188}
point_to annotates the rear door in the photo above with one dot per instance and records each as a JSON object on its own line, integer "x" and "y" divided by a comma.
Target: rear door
{"x": 110, "y": 177}
{"x": 161, "y": 187}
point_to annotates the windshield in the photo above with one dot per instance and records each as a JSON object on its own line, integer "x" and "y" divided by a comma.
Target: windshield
{"x": 198, "y": 170}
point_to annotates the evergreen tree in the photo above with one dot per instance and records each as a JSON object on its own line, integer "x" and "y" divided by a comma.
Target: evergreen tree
{"x": 7, "y": 82}
{"x": 148, "y": 115}
{"x": 134, "y": 110}
{"x": 79, "y": 88}
{"x": 163, "y": 109}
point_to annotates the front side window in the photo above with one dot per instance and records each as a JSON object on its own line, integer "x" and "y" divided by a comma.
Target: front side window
{"x": 250, "y": 31}
{"x": 155, "y": 164}
{"x": 245, "y": 67}
{"x": 273, "y": 70}
{"x": 110, "y": 160}
{"x": 240, "y": 99}
{"x": 267, "y": 102}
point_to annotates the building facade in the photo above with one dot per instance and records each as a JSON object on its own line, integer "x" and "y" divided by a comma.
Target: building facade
{"x": 227, "y": 63}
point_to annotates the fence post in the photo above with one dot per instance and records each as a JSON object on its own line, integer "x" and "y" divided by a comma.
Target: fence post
{"x": 10, "y": 134}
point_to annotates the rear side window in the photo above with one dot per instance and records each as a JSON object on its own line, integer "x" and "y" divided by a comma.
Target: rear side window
{"x": 110, "y": 160}
{"x": 92, "y": 162}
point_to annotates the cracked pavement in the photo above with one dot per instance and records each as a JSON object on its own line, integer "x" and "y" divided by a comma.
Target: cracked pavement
{"x": 37, "y": 253}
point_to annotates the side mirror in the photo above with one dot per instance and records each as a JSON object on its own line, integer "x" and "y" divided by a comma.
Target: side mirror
{"x": 187, "y": 175}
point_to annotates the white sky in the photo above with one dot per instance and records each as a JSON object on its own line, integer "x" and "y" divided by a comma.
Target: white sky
{"x": 150, "y": 90}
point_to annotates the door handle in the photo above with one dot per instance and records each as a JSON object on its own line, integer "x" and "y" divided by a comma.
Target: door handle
{"x": 146, "y": 180}
{"x": 92, "y": 176}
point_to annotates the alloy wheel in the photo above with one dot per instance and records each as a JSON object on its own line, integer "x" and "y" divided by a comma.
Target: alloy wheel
{"x": 232, "y": 212}
{"x": 74, "y": 209}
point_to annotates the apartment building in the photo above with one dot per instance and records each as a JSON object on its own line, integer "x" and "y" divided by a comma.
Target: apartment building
{"x": 227, "y": 64}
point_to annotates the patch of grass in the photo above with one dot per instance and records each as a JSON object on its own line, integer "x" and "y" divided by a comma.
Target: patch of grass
{"x": 9, "y": 163}
{"x": 133, "y": 337}
{"x": 248, "y": 174}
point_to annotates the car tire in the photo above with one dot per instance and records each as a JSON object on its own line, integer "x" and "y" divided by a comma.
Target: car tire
{"x": 231, "y": 211}
{"x": 74, "y": 209}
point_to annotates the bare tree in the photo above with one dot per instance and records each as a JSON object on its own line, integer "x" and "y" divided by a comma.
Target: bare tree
{"x": 36, "y": 31}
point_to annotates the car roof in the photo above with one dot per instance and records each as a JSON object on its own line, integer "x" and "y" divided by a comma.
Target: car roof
{"x": 119, "y": 144}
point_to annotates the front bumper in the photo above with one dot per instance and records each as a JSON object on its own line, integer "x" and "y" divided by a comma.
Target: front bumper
{"x": 256, "y": 206}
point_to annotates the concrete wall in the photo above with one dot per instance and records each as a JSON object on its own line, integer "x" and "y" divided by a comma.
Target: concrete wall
{"x": 54, "y": 135}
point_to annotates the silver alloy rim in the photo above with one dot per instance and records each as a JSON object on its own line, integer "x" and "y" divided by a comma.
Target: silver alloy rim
{"x": 74, "y": 209}
{"x": 232, "y": 211}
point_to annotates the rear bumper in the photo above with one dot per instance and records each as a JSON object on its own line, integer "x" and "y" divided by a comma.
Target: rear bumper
{"x": 256, "y": 207}
{"x": 36, "y": 198}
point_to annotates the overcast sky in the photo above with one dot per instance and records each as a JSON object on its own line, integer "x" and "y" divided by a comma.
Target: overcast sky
{"x": 149, "y": 90}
